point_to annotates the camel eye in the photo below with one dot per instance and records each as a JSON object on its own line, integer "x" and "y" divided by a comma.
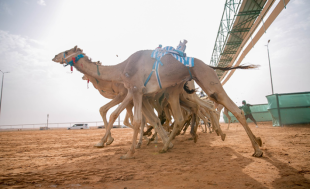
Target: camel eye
{"x": 66, "y": 52}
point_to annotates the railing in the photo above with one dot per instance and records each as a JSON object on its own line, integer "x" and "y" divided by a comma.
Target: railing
{"x": 93, "y": 124}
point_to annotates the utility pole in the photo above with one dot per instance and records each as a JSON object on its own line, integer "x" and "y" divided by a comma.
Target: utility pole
{"x": 2, "y": 88}
{"x": 47, "y": 120}
{"x": 269, "y": 66}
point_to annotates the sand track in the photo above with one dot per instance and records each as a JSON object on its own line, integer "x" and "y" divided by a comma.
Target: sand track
{"x": 67, "y": 159}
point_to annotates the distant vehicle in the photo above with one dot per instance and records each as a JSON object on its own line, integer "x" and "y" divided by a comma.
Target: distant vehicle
{"x": 101, "y": 127}
{"x": 79, "y": 126}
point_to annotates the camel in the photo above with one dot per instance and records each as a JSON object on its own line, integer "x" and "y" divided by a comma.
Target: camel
{"x": 133, "y": 73}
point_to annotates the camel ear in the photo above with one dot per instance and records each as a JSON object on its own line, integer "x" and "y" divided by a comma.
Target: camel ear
{"x": 75, "y": 48}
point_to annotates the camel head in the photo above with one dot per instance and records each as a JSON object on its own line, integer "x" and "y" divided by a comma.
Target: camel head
{"x": 61, "y": 57}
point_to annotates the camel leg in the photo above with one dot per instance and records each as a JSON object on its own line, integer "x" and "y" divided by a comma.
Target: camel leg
{"x": 148, "y": 112}
{"x": 194, "y": 128}
{"x": 187, "y": 123}
{"x": 148, "y": 132}
{"x": 216, "y": 125}
{"x": 103, "y": 112}
{"x": 154, "y": 138}
{"x": 129, "y": 114}
{"x": 168, "y": 119}
{"x": 126, "y": 121}
{"x": 205, "y": 114}
{"x": 173, "y": 99}
{"x": 228, "y": 117}
{"x": 138, "y": 121}
{"x": 204, "y": 120}
{"x": 112, "y": 119}
{"x": 141, "y": 135}
{"x": 212, "y": 86}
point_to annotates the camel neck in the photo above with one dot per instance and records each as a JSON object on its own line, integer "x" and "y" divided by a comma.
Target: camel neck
{"x": 106, "y": 73}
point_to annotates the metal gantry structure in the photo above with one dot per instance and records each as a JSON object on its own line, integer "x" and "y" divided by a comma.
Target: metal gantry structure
{"x": 237, "y": 19}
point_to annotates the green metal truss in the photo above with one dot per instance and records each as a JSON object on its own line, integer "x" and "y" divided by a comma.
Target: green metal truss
{"x": 229, "y": 15}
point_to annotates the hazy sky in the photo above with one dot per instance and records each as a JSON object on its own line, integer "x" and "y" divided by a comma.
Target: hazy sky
{"x": 32, "y": 32}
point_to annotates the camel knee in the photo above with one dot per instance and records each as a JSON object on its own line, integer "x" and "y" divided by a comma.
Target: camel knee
{"x": 113, "y": 116}
{"x": 103, "y": 110}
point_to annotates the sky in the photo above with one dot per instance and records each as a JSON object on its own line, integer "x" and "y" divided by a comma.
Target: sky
{"x": 32, "y": 32}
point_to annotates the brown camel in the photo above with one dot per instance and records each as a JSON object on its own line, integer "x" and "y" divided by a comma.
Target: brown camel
{"x": 133, "y": 73}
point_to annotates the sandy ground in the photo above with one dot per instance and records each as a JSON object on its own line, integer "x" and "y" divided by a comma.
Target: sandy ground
{"x": 67, "y": 159}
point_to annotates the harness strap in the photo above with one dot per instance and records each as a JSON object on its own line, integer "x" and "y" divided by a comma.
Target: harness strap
{"x": 190, "y": 73}
{"x": 155, "y": 68}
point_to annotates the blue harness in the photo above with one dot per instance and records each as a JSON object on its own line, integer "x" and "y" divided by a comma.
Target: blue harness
{"x": 159, "y": 53}
{"x": 77, "y": 58}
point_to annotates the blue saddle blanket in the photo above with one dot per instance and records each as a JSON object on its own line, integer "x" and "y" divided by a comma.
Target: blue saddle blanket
{"x": 159, "y": 53}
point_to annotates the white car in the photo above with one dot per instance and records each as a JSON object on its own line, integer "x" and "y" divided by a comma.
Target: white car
{"x": 79, "y": 126}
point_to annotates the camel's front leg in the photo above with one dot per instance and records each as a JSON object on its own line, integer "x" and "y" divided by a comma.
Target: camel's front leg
{"x": 103, "y": 112}
{"x": 113, "y": 117}
{"x": 178, "y": 118}
{"x": 138, "y": 120}
{"x": 141, "y": 135}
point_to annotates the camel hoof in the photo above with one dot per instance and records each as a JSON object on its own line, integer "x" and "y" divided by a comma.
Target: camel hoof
{"x": 223, "y": 137}
{"x": 127, "y": 157}
{"x": 99, "y": 145}
{"x": 138, "y": 145}
{"x": 259, "y": 141}
{"x": 183, "y": 133}
{"x": 196, "y": 138}
{"x": 110, "y": 141}
{"x": 258, "y": 154}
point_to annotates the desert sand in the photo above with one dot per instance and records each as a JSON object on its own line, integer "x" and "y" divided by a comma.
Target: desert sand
{"x": 67, "y": 159}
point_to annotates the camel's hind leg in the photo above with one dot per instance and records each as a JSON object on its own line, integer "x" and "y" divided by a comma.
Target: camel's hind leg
{"x": 209, "y": 82}
{"x": 228, "y": 117}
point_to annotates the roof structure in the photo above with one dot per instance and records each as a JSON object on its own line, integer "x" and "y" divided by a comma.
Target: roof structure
{"x": 236, "y": 23}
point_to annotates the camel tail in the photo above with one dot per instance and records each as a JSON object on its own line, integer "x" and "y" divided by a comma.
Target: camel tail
{"x": 187, "y": 90}
{"x": 251, "y": 66}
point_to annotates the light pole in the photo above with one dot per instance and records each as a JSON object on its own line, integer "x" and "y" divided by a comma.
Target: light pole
{"x": 269, "y": 66}
{"x": 2, "y": 88}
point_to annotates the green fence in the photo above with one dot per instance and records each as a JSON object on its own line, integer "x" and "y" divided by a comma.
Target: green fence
{"x": 259, "y": 112}
{"x": 289, "y": 108}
